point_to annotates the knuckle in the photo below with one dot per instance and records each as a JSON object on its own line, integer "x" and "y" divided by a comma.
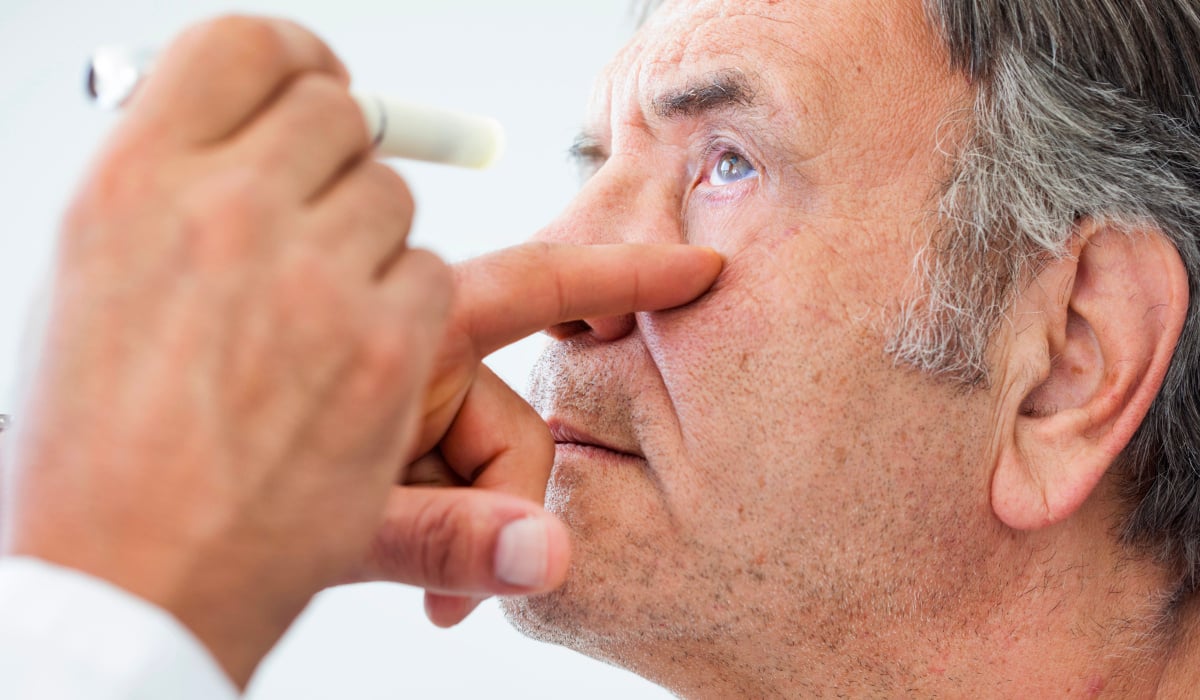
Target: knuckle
{"x": 313, "y": 104}
{"x": 391, "y": 190}
{"x": 435, "y": 544}
{"x": 253, "y": 44}
{"x": 226, "y": 32}
{"x": 539, "y": 250}
{"x": 337, "y": 109}
{"x": 375, "y": 201}
{"x": 259, "y": 48}
{"x": 535, "y": 253}
{"x": 428, "y": 284}
{"x": 522, "y": 261}
{"x": 444, "y": 547}
{"x": 245, "y": 34}
{"x": 396, "y": 347}
{"x": 323, "y": 89}
{"x": 438, "y": 277}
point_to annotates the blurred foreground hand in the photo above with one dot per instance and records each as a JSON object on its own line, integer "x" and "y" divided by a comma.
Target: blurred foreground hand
{"x": 242, "y": 357}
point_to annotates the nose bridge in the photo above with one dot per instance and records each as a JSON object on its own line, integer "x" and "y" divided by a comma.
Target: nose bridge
{"x": 619, "y": 204}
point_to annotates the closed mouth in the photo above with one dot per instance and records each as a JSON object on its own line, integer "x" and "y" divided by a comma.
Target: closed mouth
{"x": 568, "y": 436}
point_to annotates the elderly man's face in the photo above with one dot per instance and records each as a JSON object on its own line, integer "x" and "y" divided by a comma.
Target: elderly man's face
{"x": 772, "y": 481}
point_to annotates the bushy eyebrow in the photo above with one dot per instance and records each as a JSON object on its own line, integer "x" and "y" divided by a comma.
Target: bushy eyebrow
{"x": 722, "y": 90}
{"x": 714, "y": 92}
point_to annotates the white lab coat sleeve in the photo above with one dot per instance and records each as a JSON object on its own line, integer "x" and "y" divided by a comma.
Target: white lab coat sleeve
{"x": 65, "y": 635}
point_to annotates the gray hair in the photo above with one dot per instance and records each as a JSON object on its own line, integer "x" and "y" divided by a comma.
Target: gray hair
{"x": 1084, "y": 108}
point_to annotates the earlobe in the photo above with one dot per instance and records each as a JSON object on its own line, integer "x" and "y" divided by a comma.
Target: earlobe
{"x": 1100, "y": 328}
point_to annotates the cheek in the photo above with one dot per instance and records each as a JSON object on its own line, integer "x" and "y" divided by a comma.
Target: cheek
{"x": 742, "y": 214}
{"x": 785, "y": 401}
{"x": 796, "y": 436}
{"x": 766, "y": 374}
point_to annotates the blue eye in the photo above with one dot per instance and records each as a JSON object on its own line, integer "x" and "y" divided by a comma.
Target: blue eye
{"x": 730, "y": 168}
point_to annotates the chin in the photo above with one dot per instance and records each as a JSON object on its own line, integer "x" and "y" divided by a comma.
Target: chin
{"x": 549, "y": 617}
{"x": 609, "y": 590}
{"x": 628, "y": 591}
{"x": 563, "y": 619}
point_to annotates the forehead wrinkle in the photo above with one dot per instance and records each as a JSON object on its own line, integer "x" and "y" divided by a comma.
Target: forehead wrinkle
{"x": 717, "y": 34}
{"x": 687, "y": 58}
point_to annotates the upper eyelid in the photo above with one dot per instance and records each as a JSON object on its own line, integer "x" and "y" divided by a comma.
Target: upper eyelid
{"x": 587, "y": 152}
{"x": 717, "y": 146}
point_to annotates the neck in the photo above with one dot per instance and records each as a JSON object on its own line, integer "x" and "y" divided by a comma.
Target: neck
{"x": 1079, "y": 619}
{"x": 1180, "y": 673}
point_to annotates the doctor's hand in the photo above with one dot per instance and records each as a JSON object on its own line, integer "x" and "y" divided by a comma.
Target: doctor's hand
{"x": 237, "y": 347}
{"x": 465, "y": 544}
{"x": 242, "y": 357}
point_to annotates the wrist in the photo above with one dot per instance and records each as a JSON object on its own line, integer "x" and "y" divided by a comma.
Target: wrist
{"x": 95, "y": 638}
{"x": 236, "y": 621}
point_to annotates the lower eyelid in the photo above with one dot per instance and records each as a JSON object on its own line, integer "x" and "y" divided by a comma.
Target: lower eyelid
{"x": 726, "y": 194}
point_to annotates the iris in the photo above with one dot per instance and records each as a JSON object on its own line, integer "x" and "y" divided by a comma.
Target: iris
{"x": 730, "y": 168}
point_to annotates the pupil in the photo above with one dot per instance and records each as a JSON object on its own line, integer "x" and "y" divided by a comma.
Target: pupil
{"x": 730, "y": 166}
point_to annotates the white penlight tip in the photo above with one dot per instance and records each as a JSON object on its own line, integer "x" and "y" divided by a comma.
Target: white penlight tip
{"x": 498, "y": 142}
{"x": 419, "y": 132}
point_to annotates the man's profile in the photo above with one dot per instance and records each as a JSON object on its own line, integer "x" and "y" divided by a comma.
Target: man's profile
{"x": 936, "y": 429}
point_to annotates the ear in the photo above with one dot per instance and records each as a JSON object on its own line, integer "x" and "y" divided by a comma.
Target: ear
{"x": 1090, "y": 342}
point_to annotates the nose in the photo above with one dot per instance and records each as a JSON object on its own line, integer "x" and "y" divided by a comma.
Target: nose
{"x": 618, "y": 204}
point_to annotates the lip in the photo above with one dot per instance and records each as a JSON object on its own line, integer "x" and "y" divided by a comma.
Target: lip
{"x": 571, "y": 436}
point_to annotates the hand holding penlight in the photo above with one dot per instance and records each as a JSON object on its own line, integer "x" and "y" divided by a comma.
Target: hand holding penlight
{"x": 399, "y": 129}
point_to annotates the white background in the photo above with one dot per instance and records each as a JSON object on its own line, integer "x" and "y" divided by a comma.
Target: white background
{"x": 529, "y": 63}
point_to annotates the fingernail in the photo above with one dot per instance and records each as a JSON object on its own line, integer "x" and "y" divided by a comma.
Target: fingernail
{"x": 521, "y": 553}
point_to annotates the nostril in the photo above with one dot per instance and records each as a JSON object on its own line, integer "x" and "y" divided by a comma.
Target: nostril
{"x": 610, "y": 328}
{"x": 605, "y": 329}
{"x": 565, "y": 331}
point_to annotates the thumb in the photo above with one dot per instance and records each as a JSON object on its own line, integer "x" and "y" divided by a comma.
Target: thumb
{"x": 467, "y": 542}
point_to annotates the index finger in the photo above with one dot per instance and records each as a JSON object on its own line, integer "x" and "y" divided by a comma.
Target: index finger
{"x": 507, "y": 295}
{"x": 217, "y": 75}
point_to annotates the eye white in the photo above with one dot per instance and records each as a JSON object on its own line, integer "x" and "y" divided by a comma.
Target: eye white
{"x": 731, "y": 168}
